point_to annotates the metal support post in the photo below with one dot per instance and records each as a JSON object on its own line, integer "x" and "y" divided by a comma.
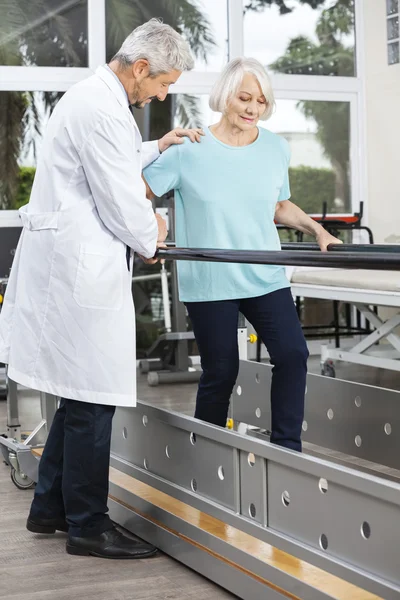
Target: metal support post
{"x": 13, "y": 424}
{"x": 179, "y": 323}
{"x": 165, "y": 297}
{"x": 242, "y": 337}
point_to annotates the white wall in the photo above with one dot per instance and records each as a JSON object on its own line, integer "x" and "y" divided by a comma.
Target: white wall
{"x": 383, "y": 127}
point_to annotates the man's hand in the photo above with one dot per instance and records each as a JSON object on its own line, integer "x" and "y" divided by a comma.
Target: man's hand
{"x": 162, "y": 228}
{"x": 162, "y": 235}
{"x": 324, "y": 239}
{"x": 176, "y": 137}
{"x": 153, "y": 261}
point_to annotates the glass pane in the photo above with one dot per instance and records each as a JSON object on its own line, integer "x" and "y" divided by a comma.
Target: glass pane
{"x": 393, "y": 53}
{"x": 23, "y": 118}
{"x": 319, "y": 137}
{"x": 301, "y": 37}
{"x": 45, "y": 34}
{"x": 393, "y": 28}
{"x": 194, "y": 110}
{"x": 204, "y": 24}
{"x": 392, "y": 6}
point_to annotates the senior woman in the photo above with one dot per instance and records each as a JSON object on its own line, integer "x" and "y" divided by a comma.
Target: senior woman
{"x": 229, "y": 189}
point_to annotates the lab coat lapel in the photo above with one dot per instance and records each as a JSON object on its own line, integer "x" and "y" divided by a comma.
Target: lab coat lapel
{"x": 120, "y": 94}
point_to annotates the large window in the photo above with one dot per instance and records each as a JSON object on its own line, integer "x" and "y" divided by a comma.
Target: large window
{"x": 393, "y": 31}
{"x": 23, "y": 118}
{"x": 296, "y": 40}
{"x": 204, "y": 24}
{"x": 46, "y": 33}
{"x": 319, "y": 137}
{"x": 301, "y": 37}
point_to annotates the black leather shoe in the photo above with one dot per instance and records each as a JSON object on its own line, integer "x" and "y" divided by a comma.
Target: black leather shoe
{"x": 36, "y": 525}
{"x": 110, "y": 544}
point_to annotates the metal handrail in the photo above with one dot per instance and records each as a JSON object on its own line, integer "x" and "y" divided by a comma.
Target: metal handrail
{"x": 388, "y": 261}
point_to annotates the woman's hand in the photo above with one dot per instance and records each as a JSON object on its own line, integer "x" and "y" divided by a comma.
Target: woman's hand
{"x": 324, "y": 238}
{"x": 291, "y": 215}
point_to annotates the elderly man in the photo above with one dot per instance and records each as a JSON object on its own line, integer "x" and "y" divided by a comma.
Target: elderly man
{"x": 67, "y": 326}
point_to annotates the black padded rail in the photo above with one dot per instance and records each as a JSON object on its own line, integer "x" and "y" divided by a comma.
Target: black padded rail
{"x": 386, "y": 261}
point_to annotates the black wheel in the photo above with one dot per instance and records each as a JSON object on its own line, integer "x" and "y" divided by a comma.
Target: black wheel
{"x": 327, "y": 369}
{"x": 20, "y": 480}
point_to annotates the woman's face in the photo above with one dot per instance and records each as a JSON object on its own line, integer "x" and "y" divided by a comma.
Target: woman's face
{"x": 248, "y": 105}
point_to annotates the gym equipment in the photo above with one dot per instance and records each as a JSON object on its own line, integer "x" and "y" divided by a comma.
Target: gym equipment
{"x": 335, "y": 224}
{"x": 17, "y": 453}
{"x": 10, "y": 235}
{"x": 348, "y": 260}
{"x": 372, "y": 248}
{"x": 173, "y": 364}
{"x": 350, "y": 227}
{"x": 354, "y": 419}
{"x": 364, "y": 290}
{"x": 260, "y": 520}
{"x": 3, "y": 388}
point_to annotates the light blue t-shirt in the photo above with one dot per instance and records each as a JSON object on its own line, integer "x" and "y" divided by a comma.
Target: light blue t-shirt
{"x": 225, "y": 197}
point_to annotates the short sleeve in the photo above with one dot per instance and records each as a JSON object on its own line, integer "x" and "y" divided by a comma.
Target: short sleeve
{"x": 163, "y": 174}
{"x": 284, "y": 193}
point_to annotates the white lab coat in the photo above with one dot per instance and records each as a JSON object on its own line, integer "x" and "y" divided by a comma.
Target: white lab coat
{"x": 67, "y": 326}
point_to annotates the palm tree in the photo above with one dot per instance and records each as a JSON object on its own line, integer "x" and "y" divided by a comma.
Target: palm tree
{"x": 329, "y": 56}
{"x": 183, "y": 15}
{"x": 283, "y": 5}
{"x": 54, "y": 33}
{"x": 32, "y": 33}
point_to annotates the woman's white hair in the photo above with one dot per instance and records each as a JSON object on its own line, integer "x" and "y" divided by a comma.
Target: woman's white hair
{"x": 228, "y": 83}
{"x": 160, "y": 44}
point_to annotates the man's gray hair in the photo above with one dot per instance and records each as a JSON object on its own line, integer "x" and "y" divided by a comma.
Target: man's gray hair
{"x": 163, "y": 47}
{"x": 228, "y": 83}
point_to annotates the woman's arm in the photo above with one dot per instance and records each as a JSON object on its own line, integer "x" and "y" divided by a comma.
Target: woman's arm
{"x": 287, "y": 213}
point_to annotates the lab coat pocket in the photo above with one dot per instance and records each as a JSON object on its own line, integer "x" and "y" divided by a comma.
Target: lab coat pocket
{"x": 98, "y": 283}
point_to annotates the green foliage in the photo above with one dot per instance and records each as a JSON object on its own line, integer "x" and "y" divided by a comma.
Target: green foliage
{"x": 310, "y": 188}
{"x": 186, "y": 16}
{"x": 24, "y": 185}
{"x": 33, "y": 33}
{"x": 54, "y": 33}
{"x": 187, "y": 111}
{"x": 303, "y": 57}
{"x": 12, "y": 130}
{"x": 329, "y": 56}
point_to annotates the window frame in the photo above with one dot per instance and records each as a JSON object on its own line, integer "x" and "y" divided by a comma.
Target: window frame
{"x": 298, "y": 87}
{"x": 392, "y": 41}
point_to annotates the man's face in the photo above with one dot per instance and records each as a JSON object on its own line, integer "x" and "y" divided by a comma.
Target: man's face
{"x": 147, "y": 88}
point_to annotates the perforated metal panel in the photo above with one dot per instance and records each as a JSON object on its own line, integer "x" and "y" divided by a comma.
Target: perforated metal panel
{"x": 353, "y": 418}
{"x": 191, "y": 461}
{"x": 340, "y": 519}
